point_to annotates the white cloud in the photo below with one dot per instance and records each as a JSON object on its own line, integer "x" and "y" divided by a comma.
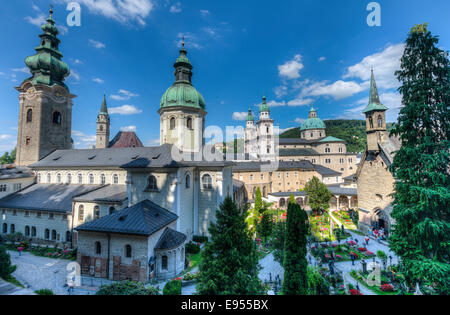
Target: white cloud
{"x": 38, "y": 20}
{"x": 97, "y": 44}
{"x": 322, "y": 59}
{"x": 280, "y": 91}
{"x": 78, "y": 62}
{"x": 190, "y": 40}
{"x": 204, "y": 12}
{"x": 83, "y": 140}
{"x": 175, "y": 8}
{"x": 384, "y": 63}
{"x": 123, "y": 11}
{"x": 74, "y": 75}
{"x": 338, "y": 90}
{"x": 299, "y": 120}
{"x": 123, "y": 95}
{"x": 291, "y": 69}
{"x": 129, "y": 128}
{"x": 125, "y": 110}
{"x": 154, "y": 142}
{"x": 5, "y": 137}
{"x": 240, "y": 116}
{"x": 24, "y": 70}
{"x": 98, "y": 80}
{"x": 300, "y": 102}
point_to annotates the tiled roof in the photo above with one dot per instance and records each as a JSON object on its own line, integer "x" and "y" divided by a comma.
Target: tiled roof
{"x": 109, "y": 193}
{"x": 297, "y": 152}
{"x": 125, "y": 139}
{"x": 282, "y": 165}
{"x": 10, "y": 172}
{"x": 335, "y": 190}
{"x": 46, "y": 197}
{"x": 294, "y": 141}
{"x": 326, "y": 171}
{"x": 144, "y": 218}
{"x": 170, "y": 239}
{"x": 331, "y": 139}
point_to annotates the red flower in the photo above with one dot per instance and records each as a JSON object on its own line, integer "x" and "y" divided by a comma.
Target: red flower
{"x": 369, "y": 253}
{"x": 362, "y": 249}
{"x": 355, "y": 292}
{"x": 339, "y": 256}
{"x": 354, "y": 254}
{"x": 387, "y": 288}
{"x": 327, "y": 256}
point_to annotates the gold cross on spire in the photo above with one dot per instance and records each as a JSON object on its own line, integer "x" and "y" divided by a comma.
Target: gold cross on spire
{"x": 51, "y": 10}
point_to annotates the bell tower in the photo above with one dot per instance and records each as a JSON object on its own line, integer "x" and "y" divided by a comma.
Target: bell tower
{"x": 45, "y": 102}
{"x": 375, "y": 118}
{"x": 103, "y": 126}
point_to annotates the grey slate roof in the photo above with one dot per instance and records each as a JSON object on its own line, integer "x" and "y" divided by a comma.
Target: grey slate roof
{"x": 14, "y": 172}
{"x": 322, "y": 170}
{"x": 294, "y": 141}
{"x": 282, "y": 165}
{"x": 112, "y": 157}
{"x": 46, "y": 197}
{"x": 170, "y": 239}
{"x": 144, "y": 218}
{"x": 109, "y": 193}
{"x": 297, "y": 152}
{"x": 388, "y": 149}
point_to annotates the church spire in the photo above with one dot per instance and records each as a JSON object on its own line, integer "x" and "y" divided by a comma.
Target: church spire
{"x": 374, "y": 98}
{"x": 264, "y": 105}
{"x": 103, "y": 126}
{"x": 104, "y": 108}
{"x": 46, "y": 65}
{"x": 183, "y": 66}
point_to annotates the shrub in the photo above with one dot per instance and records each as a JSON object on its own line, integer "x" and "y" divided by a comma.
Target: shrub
{"x": 44, "y": 292}
{"x": 172, "y": 288}
{"x": 192, "y": 248}
{"x": 190, "y": 276}
{"x": 5, "y": 263}
{"x": 355, "y": 292}
{"x": 387, "y": 288}
{"x": 126, "y": 288}
{"x": 382, "y": 255}
{"x": 200, "y": 239}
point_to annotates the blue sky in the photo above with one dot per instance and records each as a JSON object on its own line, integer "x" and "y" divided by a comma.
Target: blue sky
{"x": 296, "y": 52}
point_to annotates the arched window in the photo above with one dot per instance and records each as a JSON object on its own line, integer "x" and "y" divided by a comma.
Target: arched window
{"x": 188, "y": 181}
{"x": 98, "y": 248}
{"x": 47, "y": 234}
{"x": 96, "y": 213}
{"x": 49, "y": 178}
{"x": 264, "y": 191}
{"x": 33, "y": 231}
{"x": 128, "y": 251}
{"x": 172, "y": 123}
{"x": 13, "y": 229}
{"x": 39, "y": 177}
{"x": 91, "y": 179}
{"x": 115, "y": 179}
{"x": 327, "y": 150}
{"x": 80, "y": 179}
{"x": 164, "y": 262}
{"x": 69, "y": 178}
{"x": 103, "y": 179}
{"x": 81, "y": 213}
{"x": 53, "y": 235}
{"x": 380, "y": 121}
{"x": 5, "y": 228}
{"x": 27, "y": 230}
{"x": 101, "y": 127}
{"x": 29, "y": 115}
{"x": 112, "y": 210}
{"x": 58, "y": 178}
{"x": 57, "y": 118}
{"x": 189, "y": 123}
{"x": 371, "y": 121}
{"x": 152, "y": 183}
{"x": 207, "y": 181}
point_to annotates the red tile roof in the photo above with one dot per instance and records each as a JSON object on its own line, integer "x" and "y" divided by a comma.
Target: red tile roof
{"x": 125, "y": 139}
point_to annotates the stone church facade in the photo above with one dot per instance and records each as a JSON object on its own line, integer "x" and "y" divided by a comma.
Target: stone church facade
{"x": 374, "y": 179}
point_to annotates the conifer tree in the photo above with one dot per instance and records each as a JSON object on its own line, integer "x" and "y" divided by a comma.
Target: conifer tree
{"x": 421, "y": 233}
{"x": 266, "y": 225}
{"x": 295, "y": 263}
{"x": 258, "y": 200}
{"x": 230, "y": 260}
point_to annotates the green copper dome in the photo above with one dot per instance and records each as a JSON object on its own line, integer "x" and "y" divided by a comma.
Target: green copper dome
{"x": 264, "y": 106}
{"x": 46, "y": 65}
{"x": 182, "y": 92}
{"x": 313, "y": 122}
{"x": 250, "y": 116}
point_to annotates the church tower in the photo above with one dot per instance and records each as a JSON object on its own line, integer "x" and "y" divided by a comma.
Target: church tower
{"x": 251, "y": 145}
{"x": 103, "y": 126}
{"x": 375, "y": 118}
{"x": 45, "y": 102}
{"x": 266, "y": 140}
{"x": 182, "y": 110}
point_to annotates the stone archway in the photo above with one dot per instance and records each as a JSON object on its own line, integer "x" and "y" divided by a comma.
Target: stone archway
{"x": 282, "y": 202}
{"x": 343, "y": 202}
{"x": 333, "y": 203}
{"x": 299, "y": 201}
{"x": 379, "y": 219}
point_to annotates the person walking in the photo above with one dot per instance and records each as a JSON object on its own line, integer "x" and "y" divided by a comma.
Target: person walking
{"x": 352, "y": 257}
{"x": 367, "y": 239}
{"x": 20, "y": 249}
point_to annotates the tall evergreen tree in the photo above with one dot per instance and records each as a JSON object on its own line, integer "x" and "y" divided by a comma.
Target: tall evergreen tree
{"x": 266, "y": 225}
{"x": 295, "y": 263}
{"x": 421, "y": 234}
{"x": 258, "y": 200}
{"x": 318, "y": 195}
{"x": 230, "y": 260}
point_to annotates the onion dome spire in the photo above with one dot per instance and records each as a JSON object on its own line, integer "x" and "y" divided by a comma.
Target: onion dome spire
{"x": 374, "y": 98}
{"x": 264, "y": 105}
{"x": 46, "y": 65}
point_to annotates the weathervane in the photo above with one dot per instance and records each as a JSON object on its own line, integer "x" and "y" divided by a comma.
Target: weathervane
{"x": 51, "y": 10}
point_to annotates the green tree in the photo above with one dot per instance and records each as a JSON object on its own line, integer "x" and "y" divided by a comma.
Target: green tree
{"x": 318, "y": 195}
{"x": 265, "y": 226}
{"x": 258, "y": 200}
{"x": 8, "y": 158}
{"x": 421, "y": 234}
{"x": 126, "y": 288}
{"x": 5, "y": 263}
{"x": 295, "y": 263}
{"x": 279, "y": 236}
{"x": 230, "y": 259}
